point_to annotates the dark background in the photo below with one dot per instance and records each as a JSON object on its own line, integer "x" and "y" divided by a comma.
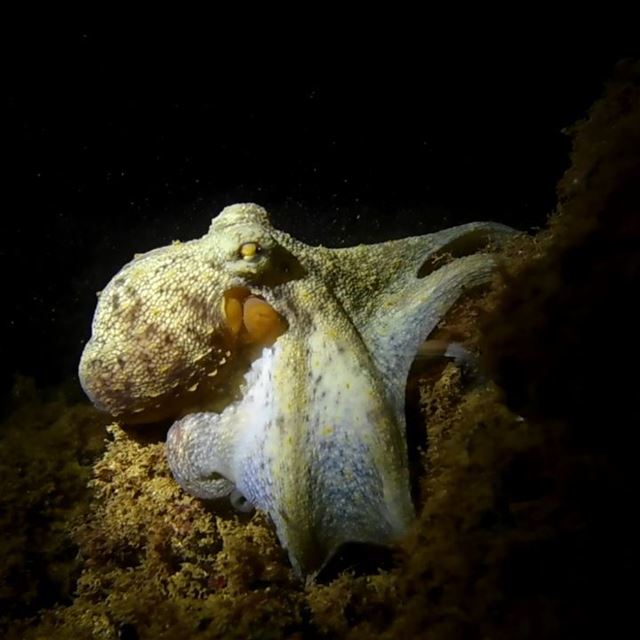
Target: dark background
{"x": 117, "y": 146}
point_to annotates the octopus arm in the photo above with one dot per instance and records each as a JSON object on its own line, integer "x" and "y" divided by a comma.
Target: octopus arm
{"x": 198, "y": 450}
{"x": 398, "y": 303}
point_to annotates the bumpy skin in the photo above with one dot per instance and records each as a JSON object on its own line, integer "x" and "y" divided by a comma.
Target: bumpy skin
{"x": 311, "y": 429}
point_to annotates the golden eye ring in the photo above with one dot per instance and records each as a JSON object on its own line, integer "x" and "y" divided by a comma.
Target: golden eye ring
{"x": 249, "y": 250}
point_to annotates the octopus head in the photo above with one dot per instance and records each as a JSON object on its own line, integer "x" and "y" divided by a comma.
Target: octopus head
{"x": 175, "y": 327}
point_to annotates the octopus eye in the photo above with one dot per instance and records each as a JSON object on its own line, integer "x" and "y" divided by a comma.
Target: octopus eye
{"x": 249, "y": 250}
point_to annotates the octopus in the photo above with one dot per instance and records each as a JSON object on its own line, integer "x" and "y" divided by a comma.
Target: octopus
{"x": 282, "y": 368}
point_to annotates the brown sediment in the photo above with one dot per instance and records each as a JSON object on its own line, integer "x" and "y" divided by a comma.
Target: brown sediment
{"x": 525, "y": 500}
{"x": 48, "y": 444}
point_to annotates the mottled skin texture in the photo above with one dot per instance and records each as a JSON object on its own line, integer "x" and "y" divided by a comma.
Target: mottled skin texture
{"x": 310, "y": 429}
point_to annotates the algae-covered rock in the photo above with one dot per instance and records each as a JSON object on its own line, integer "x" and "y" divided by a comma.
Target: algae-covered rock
{"x": 563, "y": 334}
{"x": 47, "y": 446}
{"x": 161, "y": 564}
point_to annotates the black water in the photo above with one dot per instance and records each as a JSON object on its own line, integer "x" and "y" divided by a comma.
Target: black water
{"x": 115, "y": 148}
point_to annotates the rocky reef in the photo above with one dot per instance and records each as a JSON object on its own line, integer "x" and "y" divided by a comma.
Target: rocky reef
{"x": 523, "y": 484}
